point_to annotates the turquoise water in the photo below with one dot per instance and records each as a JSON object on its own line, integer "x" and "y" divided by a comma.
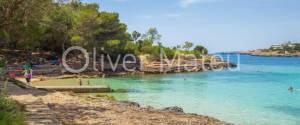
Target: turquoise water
{"x": 256, "y": 95}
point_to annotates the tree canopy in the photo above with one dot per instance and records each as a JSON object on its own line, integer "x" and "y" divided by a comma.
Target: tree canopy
{"x": 187, "y": 45}
{"x": 53, "y": 26}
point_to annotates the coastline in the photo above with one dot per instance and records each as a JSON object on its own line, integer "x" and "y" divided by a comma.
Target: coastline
{"x": 269, "y": 54}
{"x": 69, "y": 108}
{"x": 97, "y": 110}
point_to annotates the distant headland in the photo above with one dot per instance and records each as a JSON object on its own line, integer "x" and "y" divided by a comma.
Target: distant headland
{"x": 286, "y": 49}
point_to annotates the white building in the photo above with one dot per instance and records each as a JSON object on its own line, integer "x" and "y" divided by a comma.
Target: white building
{"x": 276, "y": 47}
{"x": 289, "y": 44}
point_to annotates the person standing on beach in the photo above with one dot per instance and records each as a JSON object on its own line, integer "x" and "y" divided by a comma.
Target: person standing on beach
{"x": 28, "y": 75}
{"x": 26, "y": 72}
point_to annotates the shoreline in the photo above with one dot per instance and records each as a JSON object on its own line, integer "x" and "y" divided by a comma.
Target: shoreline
{"x": 91, "y": 110}
{"x": 269, "y": 54}
{"x": 40, "y": 75}
{"x": 55, "y": 100}
{"x": 273, "y": 55}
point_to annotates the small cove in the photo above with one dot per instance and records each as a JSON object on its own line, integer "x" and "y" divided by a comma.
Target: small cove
{"x": 255, "y": 95}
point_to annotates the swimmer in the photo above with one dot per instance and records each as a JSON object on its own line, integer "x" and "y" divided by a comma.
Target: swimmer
{"x": 291, "y": 89}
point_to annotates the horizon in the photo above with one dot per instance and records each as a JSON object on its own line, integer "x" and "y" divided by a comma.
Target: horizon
{"x": 230, "y": 25}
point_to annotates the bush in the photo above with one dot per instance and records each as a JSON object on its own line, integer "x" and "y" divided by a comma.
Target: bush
{"x": 170, "y": 53}
{"x": 2, "y": 62}
{"x": 2, "y": 71}
{"x": 10, "y": 112}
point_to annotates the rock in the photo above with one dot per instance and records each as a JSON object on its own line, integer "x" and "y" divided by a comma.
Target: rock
{"x": 43, "y": 79}
{"x": 149, "y": 108}
{"x": 173, "y": 109}
{"x": 51, "y": 105}
{"x": 133, "y": 104}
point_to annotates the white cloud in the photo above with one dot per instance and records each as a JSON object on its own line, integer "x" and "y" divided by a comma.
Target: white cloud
{"x": 186, "y": 3}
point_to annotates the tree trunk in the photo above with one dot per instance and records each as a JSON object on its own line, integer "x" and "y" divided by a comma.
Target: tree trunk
{"x": 29, "y": 56}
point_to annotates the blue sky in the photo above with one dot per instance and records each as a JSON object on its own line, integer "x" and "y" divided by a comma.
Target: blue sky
{"x": 220, "y": 25}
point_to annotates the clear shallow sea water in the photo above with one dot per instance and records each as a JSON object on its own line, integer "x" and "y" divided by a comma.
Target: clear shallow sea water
{"x": 256, "y": 95}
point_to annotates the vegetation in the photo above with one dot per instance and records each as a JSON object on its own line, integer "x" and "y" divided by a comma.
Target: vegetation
{"x": 200, "y": 50}
{"x": 2, "y": 71}
{"x": 32, "y": 25}
{"x": 287, "y": 47}
{"x": 10, "y": 112}
{"x": 297, "y": 47}
{"x": 187, "y": 45}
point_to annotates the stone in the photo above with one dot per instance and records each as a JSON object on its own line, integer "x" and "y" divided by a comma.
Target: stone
{"x": 133, "y": 104}
{"x": 173, "y": 109}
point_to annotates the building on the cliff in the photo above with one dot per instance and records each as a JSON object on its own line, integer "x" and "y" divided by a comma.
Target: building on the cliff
{"x": 276, "y": 47}
{"x": 289, "y": 44}
{"x": 282, "y": 46}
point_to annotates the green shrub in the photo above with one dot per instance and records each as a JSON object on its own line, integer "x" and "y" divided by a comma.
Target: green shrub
{"x": 2, "y": 62}
{"x": 2, "y": 71}
{"x": 10, "y": 112}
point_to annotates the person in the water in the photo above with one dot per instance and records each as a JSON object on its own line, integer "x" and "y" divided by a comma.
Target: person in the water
{"x": 291, "y": 89}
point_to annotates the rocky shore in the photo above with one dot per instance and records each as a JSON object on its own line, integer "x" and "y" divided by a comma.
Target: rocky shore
{"x": 64, "y": 108}
{"x": 184, "y": 63}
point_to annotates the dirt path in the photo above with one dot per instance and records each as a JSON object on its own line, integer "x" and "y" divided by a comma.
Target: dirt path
{"x": 46, "y": 108}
